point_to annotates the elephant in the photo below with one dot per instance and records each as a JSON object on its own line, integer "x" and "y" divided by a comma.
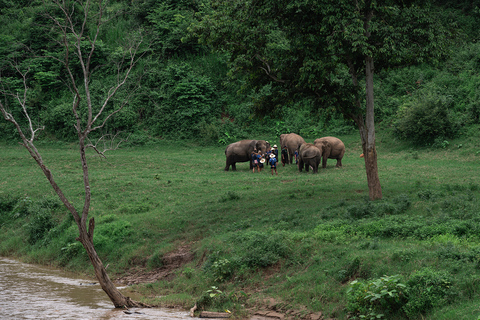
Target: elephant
{"x": 240, "y": 151}
{"x": 293, "y": 142}
{"x": 309, "y": 156}
{"x": 330, "y": 148}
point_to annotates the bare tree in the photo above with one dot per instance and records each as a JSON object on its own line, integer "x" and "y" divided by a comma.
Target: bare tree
{"x": 79, "y": 41}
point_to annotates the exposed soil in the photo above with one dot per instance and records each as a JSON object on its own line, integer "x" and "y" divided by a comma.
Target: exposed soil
{"x": 269, "y": 309}
{"x": 170, "y": 263}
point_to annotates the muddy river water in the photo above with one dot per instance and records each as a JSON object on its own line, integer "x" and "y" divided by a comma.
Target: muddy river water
{"x": 35, "y": 292}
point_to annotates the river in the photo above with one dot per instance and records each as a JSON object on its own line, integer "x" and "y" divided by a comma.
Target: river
{"x": 37, "y": 292}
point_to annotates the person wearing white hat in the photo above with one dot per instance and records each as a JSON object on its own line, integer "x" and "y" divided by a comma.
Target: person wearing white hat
{"x": 275, "y": 151}
{"x": 273, "y": 163}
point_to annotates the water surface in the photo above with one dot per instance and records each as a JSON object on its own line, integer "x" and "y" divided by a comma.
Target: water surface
{"x": 37, "y": 292}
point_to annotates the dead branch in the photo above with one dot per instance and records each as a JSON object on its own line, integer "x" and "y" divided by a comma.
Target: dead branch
{"x": 109, "y": 141}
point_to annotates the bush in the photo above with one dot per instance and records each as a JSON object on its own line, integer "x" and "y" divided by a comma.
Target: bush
{"x": 375, "y": 298}
{"x": 7, "y": 203}
{"x": 247, "y": 250}
{"x": 427, "y": 289}
{"x": 426, "y": 119}
{"x": 42, "y": 221}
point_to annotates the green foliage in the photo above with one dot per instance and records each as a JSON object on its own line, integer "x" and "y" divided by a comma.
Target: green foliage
{"x": 40, "y": 214}
{"x": 397, "y": 205}
{"x": 248, "y": 250}
{"x": 110, "y": 232}
{"x": 427, "y": 289}
{"x": 41, "y": 222}
{"x": 218, "y": 299}
{"x": 7, "y": 203}
{"x": 170, "y": 21}
{"x": 425, "y": 120}
{"x": 183, "y": 102}
{"x": 222, "y": 269}
{"x": 377, "y": 298}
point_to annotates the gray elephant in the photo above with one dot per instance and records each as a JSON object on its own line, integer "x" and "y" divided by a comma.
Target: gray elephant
{"x": 331, "y": 148}
{"x": 308, "y": 156}
{"x": 240, "y": 151}
{"x": 293, "y": 142}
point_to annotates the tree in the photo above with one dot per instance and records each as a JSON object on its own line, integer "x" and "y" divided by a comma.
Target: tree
{"x": 77, "y": 26}
{"x": 327, "y": 49}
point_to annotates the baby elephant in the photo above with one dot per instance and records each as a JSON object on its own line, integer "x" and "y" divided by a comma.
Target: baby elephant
{"x": 330, "y": 148}
{"x": 308, "y": 156}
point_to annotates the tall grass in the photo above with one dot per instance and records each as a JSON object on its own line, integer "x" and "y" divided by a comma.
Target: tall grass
{"x": 297, "y": 237}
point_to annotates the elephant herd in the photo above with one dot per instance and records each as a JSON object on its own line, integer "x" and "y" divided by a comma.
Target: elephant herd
{"x": 309, "y": 154}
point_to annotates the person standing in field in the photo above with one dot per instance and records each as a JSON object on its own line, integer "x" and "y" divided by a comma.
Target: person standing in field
{"x": 273, "y": 163}
{"x": 275, "y": 151}
{"x": 254, "y": 158}
{"x": 261, "y": 160}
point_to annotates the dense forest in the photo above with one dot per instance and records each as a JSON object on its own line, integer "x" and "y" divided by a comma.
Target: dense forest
{"x": 193, "y": 89}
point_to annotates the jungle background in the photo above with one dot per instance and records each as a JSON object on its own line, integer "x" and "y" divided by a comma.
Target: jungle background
{"x": 312, "y": 246}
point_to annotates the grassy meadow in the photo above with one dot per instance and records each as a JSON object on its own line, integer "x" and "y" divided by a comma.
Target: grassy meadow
{"x": 310, "y": 242}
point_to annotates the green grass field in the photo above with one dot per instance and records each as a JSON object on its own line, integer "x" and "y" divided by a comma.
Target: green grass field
{"x": 298, "y": 238}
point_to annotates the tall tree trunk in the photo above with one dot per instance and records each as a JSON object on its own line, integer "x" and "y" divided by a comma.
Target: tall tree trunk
{"x": 369, "y": 151}
{"x": 366, "y": 128}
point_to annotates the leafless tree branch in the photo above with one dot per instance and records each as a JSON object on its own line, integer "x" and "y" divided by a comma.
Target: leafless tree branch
{"x": 109, "y": 142}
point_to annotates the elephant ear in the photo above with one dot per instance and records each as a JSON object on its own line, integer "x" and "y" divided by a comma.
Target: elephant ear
{"x": 253, "y": 144}
{"x": 326, "y": 144}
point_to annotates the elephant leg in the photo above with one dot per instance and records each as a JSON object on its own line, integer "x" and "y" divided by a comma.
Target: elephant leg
{"x": 234, "y": 167}
{"x": 227, "y": 166}
{"x": 339, "y": 162}
{"x": 324, "y": 162}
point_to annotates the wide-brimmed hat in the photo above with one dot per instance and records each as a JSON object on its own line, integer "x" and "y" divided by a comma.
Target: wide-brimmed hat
{"x": 262, "y": 160}
{"x": 272, "y": 156}
{"x": 275, "y": 146}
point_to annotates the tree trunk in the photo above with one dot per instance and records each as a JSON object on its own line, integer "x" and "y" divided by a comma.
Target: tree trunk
{"x": 369, "y": 151}
{"x": 117, "y": 298}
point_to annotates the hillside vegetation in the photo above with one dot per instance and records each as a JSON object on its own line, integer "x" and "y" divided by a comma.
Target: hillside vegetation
{"x": 189, "y": 92}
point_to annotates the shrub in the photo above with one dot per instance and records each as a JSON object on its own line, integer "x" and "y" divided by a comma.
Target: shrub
{"x": 110, "y": 231}
{"x": 427, "y": 289}
{"x": 41, "y": 222}
{"x": 426, "y": 119}
{"x": 260, "y": 249}
{"x": 375, "y": 298}
{"x": 247, "y": 250}
{"x": 360, "y": 211}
